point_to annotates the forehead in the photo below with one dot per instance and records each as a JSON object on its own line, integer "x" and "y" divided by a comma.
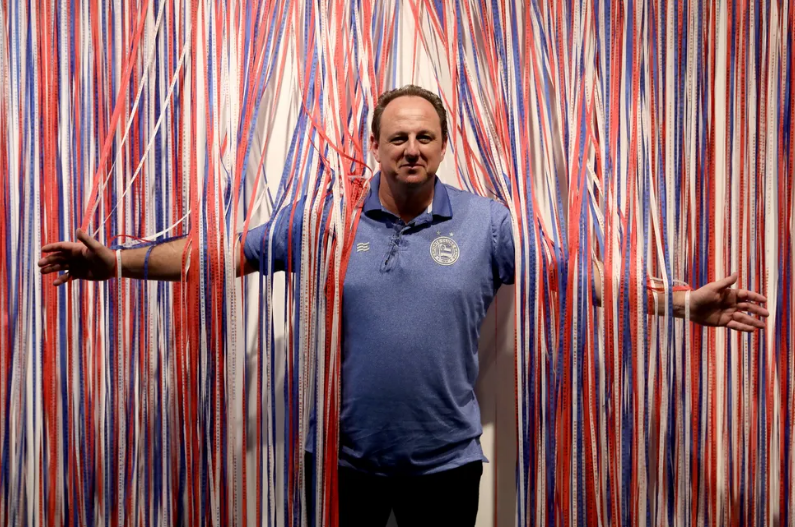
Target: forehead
{"x": 409, "y": 113}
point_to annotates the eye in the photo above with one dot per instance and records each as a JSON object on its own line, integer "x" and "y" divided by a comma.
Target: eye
{"x": 425, "y": 139}
{"x": 398, "y": 140}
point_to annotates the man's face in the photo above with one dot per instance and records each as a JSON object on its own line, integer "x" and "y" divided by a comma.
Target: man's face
{"x": 410, "y": 146}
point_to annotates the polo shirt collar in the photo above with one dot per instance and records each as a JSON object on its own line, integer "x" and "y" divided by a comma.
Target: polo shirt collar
{"x": 439, "y": 207}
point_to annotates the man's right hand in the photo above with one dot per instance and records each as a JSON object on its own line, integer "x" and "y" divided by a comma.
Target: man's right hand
{"x": 89, "y": 259}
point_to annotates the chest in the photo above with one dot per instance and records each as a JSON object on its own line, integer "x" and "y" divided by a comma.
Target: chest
{"x": 439, "y": 258}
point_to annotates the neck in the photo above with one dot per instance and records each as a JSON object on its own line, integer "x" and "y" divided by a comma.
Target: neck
{"x": 407, "y": 202}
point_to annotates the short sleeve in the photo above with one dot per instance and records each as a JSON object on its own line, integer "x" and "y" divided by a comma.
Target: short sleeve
{"x": 257, "y": 243}
{"x": 503, "y": 255}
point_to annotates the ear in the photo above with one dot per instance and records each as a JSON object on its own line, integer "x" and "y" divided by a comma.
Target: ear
{"x": 444, "y": 147}
{"x": 374, "y": 147}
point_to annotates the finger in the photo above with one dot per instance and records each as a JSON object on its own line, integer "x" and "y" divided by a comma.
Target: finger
{"x": 58, "y": 246}
{"x": 62, "y": 279}
{"x": 90, "y": 242}
{"x": 756, "y": 309}
{"x": 748, "y": 319}
{"x": 724, "y": 283}
{"x": 738, "y": 326}
{"x": 49, "y": 260}
{"x": 53, "y": 268}
{"x": 744, "y": 294}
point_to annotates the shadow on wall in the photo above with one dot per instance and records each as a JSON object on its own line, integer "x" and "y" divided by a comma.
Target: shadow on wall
{"x": 497, "y": 397}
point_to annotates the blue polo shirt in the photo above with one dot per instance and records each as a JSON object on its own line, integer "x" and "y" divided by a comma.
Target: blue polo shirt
{"x": 414, "y": 298}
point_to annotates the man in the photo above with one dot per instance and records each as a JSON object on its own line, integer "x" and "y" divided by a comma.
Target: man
{"x": 428, "y": 263}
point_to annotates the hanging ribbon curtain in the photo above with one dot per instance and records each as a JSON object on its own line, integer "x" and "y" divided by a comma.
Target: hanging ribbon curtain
{"x": 655, "y": 137}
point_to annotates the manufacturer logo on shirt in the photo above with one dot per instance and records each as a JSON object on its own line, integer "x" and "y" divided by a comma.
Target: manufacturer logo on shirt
{"x": 362, "y": 247}
{"x": 444, "y": 250}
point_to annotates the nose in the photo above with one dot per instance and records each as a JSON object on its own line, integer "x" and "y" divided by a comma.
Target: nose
{"x": 412, "y": 148}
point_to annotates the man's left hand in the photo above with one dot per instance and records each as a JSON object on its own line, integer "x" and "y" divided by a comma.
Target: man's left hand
{"x": 717, "y": 304}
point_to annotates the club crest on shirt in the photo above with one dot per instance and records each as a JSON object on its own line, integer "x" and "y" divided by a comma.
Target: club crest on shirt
{"x": 444, "y": 250}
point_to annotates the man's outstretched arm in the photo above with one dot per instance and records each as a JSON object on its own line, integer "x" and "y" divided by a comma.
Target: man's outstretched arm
{"x": 88, "y": 259}
{"x": 715, "y": 304}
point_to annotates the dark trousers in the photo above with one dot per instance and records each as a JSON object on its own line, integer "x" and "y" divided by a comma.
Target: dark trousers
{"x": 448, "y": 498}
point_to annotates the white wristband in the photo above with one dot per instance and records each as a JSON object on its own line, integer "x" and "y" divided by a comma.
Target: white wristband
{"x": 118, "y": 263}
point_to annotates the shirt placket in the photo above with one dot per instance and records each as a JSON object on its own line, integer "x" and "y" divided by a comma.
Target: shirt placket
{"x": 395, "y": 240}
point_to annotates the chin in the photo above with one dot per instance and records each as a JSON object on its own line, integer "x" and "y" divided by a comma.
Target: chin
{"x": 414, "y": 181}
